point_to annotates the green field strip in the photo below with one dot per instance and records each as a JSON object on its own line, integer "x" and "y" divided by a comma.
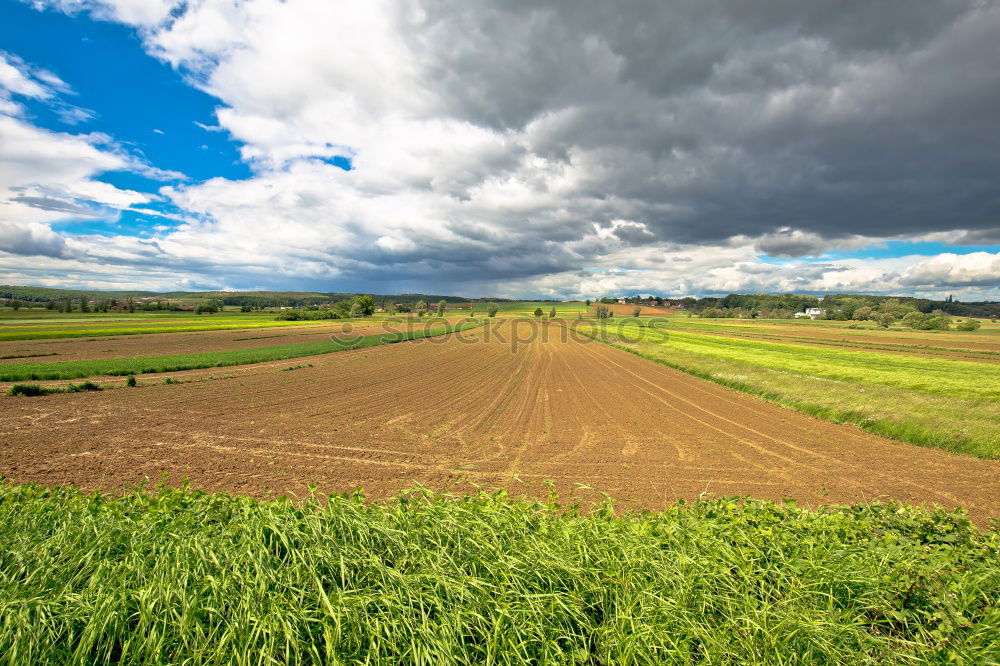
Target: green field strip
{"x": 177, "y": 362}
{"x": 964, "y": 379}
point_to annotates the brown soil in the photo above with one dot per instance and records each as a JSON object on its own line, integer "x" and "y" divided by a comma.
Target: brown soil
{"x": 452, "y": 414}
{"x": 164, "y": 344}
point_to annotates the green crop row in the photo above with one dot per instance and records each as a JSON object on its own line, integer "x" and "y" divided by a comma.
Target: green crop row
{"x": 136, "y": 366}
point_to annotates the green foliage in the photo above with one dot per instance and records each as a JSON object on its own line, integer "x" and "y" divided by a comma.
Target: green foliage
{"x": 186, "y": 577}
{"x": 552, "y": 312}
{"x": 173, "y": 363}
{"x": 602, "y": 312}
{"x": 28, "y": 390}
{"x": 83, "y": 386}
{"x": 969, "y": 325}
{"x": 538, "y": 312}
{"x": 441, "y": 307}
{"x": 363, "y": 306}
{"x": 130, "y": 382}
{"x": 492, "y": 309}
{"x": 636, "y": 312}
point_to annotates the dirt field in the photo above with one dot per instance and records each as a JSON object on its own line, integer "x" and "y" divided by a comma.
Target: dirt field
{"x": 163, "y": 344}
{"x": 448, "y": 413}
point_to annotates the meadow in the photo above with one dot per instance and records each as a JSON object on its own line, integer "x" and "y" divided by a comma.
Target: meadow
{"x": 186, "y": 577}
{"x": 902, "y": 384}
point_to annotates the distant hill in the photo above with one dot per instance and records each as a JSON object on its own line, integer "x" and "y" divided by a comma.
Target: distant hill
{"x": 253, "y": 298}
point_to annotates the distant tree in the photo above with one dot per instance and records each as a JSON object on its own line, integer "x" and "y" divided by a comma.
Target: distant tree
{"x": 420, "y": 306}
{"x": 862, "y": 314}
{"x": 939, "y": 323}
{"x": 421, "y": 312}
{"x": 15, "y": 304}
{"x": 587, "y": 302}
{"x": 363, "y": 306}
{"x": 916, "y": 320}
{"x": 885, "y": 319}
{"x": 440, "y": 308}
{"x": 492, "y": 309}
{"x": 207, "y": 307}
{"x": 969, "y": 325}
{"x": 602, "y": 312}
{"x": 84, "y": 306}
{"x": 538, "y": 312}
{"x": 552, "y": 312}
{"x": 51, "y": 305}
{"x": 390, "y": 308}
{"x": 636, "y": 312}
{"x": 246, "y": 308}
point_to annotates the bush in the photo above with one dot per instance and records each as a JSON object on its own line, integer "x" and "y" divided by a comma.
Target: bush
{"x": 85, "y": 386}
{"x": 538, "y": 312}
{"x": 130, "y": 381}
{"x": 28, "y": 390}
{"x": 602, "y": 312}
{"x": 492, "y": 309}
{"x": 939, "y": 323}
{"x": 636, "y": 312}
{"x": 969, "y": 325}
{"x": 552, "y": 312}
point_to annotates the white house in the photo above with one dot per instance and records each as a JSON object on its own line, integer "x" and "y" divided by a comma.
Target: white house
{"x": 812, "y": 313}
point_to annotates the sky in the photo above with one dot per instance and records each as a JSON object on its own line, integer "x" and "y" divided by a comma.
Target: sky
{"x": 545, "y": 149}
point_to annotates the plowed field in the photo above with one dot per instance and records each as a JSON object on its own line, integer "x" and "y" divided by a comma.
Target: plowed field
{"x": 473, "y": 409}
{"x": 162, "y": 344}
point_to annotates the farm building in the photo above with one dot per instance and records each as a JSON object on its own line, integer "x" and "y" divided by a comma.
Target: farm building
{"x": 812, "y": 313}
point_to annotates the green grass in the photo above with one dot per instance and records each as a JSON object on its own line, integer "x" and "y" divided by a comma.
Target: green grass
{"x": 176, "y": 362}
{"x": 962, "y": 379}
{"x": 186, "y": 577}
{"x": 925, "y": 401}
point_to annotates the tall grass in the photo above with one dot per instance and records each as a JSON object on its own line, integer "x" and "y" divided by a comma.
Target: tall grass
{"x": 135, "y": 366}
{"x": 185, "y": 577}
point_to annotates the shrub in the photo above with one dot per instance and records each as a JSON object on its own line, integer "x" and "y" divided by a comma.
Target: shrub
{"x": 492, "y": 309}
{"x": 939, "y": 323}
{"x": 440, "y": 308}
{"x": 969, "y": 325}
{"x": 538, "y": 312}
{"x": 85, "y": 386}
{"x": 130, "y": 381}
{"x": 28, "y": 390}
{"x": 552, "y": 312}
{"x": 636, "y": 312}
{"x": 602, "y": 312}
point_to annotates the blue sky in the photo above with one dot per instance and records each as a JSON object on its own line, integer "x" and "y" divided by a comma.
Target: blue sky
{"x": 391, "y": 147}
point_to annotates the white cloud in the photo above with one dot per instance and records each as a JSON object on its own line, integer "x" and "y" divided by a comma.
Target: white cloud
{"x": 505, "y": 148}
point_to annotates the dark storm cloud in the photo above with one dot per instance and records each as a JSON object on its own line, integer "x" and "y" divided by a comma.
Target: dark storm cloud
{"x": 710, "y": 119}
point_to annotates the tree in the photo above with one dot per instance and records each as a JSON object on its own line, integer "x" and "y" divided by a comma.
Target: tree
{"x": 552, "y": 312}
{"x": 390, "y": 308}
{"x": 939, "y": 323}
{"x": 885, "y": 319}
{"x": 538, "y": 312}
{"x": 84, "y": 306}
{"x": 440, "y": 308}
{"x": 15, "y": 304}
{"x": 420, "y": 306}
{"x": 636, "y": 312}
{"x": 492, "y": 309}
{"x": 602, "y": 312}
{"x": 862, "y": 314}
{"x": 969, "y": 325}
{"x": 363, "y": 305}
{"x": 587, "y": 302}
{"x": 916, "y": 320}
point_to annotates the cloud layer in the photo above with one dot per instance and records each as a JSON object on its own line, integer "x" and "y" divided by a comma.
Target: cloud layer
{"x": 566, "y": 147}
